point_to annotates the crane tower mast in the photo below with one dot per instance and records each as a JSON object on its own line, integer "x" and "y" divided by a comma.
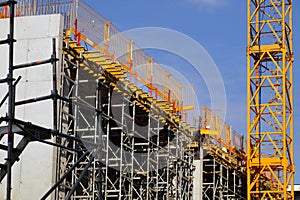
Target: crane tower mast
{"x": 270, "y": 162}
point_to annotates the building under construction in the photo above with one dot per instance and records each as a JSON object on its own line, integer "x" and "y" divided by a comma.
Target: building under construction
{"x": 82, "y": 117}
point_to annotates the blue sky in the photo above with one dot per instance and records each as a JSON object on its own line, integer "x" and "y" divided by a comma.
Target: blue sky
{"x": 220, "y": 27}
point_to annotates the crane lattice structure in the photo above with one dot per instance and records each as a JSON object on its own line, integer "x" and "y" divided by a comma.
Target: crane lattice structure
{"x": 270, "y": 100}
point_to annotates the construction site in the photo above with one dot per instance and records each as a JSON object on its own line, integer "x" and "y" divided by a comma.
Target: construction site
{"x": 82, "y": 116}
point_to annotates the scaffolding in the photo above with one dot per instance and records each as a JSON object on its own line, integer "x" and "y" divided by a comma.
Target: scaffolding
{"x": 28, "y": 132}
{"x": 115, "y": 140}
{"x": 141, "y": 153}
{"x": 98, "y": 33}
{"x": 156, "y": 153}
{"x": 223, "y": 159}
{"x": 221, "y": 181}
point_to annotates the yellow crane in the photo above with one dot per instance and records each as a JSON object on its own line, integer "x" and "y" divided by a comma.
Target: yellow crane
{"x": 270, "y": 100}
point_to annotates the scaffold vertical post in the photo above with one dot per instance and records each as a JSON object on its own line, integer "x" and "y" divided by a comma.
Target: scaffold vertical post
{"x": 54, "y": 82}
{"x": 11, "y": 98}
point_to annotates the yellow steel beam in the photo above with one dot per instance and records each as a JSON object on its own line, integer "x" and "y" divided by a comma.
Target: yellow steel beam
{"x": 270, "y": 100}
{"x": 209, "y": 132}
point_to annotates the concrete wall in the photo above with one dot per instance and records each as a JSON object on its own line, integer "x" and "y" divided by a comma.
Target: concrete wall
{"x": 197, "y": 181}
{"x": 34, "y": 174}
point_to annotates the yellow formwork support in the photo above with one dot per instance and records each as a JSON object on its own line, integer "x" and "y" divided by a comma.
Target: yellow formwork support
{"x": 270, "y": 149}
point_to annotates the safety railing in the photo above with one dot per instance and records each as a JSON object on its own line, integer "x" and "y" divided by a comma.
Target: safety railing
{"x": 141, "y": 67}
{"x": 223, "y": 135}
{"x": 88, "y": 25}
{"x": 67, "y": 8}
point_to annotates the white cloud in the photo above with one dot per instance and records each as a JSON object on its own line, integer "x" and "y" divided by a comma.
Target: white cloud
{"x": 209, "y": 2}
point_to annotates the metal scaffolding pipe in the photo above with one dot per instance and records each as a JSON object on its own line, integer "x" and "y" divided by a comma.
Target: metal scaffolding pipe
{"x": 46, "y": 142}
{"x": 54, "y": 81}
{"x": 35, "y": 63}
{"x": 79, "y": 178}
{"x": 33, "y": 100}
{"x": 3, "y": 41}
{"x": 100, "y": 132}
{"x": 64, "y": 176}
{"x": 7, "y": 94}
{"x": 6, "y": 3}
{"x": 11, "y": 98}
